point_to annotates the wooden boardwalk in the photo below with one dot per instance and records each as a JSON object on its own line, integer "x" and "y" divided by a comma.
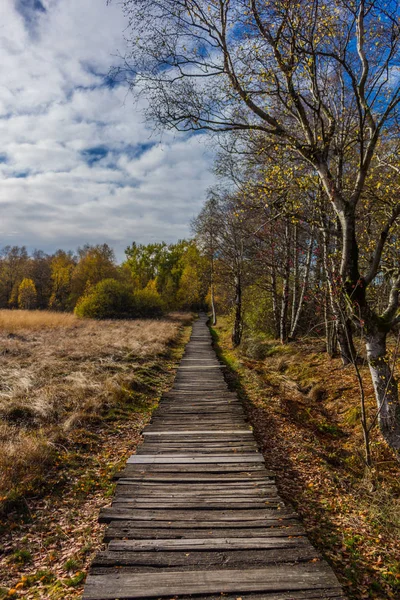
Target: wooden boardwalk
{"x": 196, "y": 513}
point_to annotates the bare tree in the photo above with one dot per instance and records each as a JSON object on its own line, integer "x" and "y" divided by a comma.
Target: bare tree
{"x": 229, "y": 243}
{"x": 206, "y": 226}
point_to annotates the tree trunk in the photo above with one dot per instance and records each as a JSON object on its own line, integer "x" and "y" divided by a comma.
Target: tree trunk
{"x": 275, "y": 308}
{"x": 214, "y": 314}
{"x": 343, "y": 333}
{"x": 295, "y": 280}
{"x": 385, "y": 387}
{"x": 238, "y": 324}
{"x": 304, "y": 286}
{"x": 376, "y": 330}
{"x": 285, "y": 291}
{"x": 330, "y": 327}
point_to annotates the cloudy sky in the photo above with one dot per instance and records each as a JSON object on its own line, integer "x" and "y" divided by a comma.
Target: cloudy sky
{"x": 77, "y": 161}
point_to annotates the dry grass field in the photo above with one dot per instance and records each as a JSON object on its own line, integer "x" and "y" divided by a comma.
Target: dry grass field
{"x": 14, "y": 321}
{"x": 74, "y": 395}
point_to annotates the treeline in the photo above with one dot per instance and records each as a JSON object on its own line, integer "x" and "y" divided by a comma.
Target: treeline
{"x": 152, "y": 279}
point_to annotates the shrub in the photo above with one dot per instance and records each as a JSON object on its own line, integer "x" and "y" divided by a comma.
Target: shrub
{"x": 148, "y": 303}
{"x": 109, "y": 299}
{"x": 112, "y": 299}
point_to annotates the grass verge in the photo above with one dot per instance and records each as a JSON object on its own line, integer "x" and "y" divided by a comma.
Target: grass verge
{"x": 303, "y": 407}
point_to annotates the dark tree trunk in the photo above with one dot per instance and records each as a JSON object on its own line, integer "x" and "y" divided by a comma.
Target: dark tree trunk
{"x": 285, "y": 290}
{"x": 344, "y": 334}
{"x": 238, "y": 323}
{"x": 295, "y": 286}
{"x": 214, "y": 314}
{"x": 341, "y": 328}
{"x": 275, "y": 308}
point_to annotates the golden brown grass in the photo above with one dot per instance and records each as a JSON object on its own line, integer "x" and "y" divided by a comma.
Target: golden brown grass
{"x": 58, "y": 373}
{"x": 12, "y": 321}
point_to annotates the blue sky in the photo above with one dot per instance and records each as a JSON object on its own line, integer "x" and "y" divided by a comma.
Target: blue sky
{"x": 77, "y": 162}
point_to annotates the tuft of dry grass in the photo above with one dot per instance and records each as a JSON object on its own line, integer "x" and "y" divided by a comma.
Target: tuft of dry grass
{"x": 12, "y": 321}
{"x": 24, "y": 460}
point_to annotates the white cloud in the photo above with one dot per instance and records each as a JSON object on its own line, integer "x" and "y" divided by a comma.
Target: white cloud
{"x": 77, "y": 163}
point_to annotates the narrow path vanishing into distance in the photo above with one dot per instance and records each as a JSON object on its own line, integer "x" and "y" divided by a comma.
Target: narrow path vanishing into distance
{"x": 196, "y": 512}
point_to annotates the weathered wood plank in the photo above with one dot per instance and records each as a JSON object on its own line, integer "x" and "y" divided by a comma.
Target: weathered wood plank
{"x": 230, "y": 498}
{"x": 187, "y": 449}
{"x": 201, "y": 394}
{"x": 204, "y": 441}
{"x": 208, "y": 442}
{"x": 179, "y": 488}
{"x": 170, "y": 492}
{"x": 222, "y": 432}
{"x": 191, "y": 449}
{"x": 202, "y": 504}
{"x": 226, "y": 471}
{"x": 130, "y": 531}
{"x": 200, "y": 368}
{"x": 260, "y": 543}
{"x": 323, "y": 594}
{"x": 204, "y": 409}
{"x": 221, "y": 515}
{"x": 206, "y": 524}
{"x": 273, "y": 578}
{"x": 200, "y": 559}
{"x": 131, "y": 478}
{"x": 197, "y": 420}
{"x": 199, "y": 410}
{"x": 187, "y": 459}
{"x": 195, "y": 423}
{"x": 188, "y": 501}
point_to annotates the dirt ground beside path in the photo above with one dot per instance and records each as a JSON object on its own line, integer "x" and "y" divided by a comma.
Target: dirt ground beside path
{"x": 304, "y": 408}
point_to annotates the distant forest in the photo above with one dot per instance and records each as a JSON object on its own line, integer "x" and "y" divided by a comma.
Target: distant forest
{"x": 165, "y": 277}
